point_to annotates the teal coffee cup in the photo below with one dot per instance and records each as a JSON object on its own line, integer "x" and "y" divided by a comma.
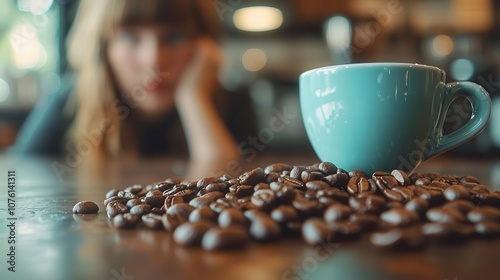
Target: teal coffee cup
{"x": 385, "y": 116}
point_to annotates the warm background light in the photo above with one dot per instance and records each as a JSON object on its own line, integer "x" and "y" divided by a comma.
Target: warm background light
{"x": 254, "y": 59}
{"x": 442, "y": 45}
{"x": 257, "y": 19}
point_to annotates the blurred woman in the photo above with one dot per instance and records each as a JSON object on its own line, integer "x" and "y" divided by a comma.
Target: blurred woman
{"x": 145, "y": 83}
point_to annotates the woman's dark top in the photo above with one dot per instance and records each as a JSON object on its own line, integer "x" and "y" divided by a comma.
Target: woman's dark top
{"x": 44, "y": 131}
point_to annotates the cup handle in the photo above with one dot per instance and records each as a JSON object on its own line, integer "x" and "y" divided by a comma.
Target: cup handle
{"x": 481, "y": 111}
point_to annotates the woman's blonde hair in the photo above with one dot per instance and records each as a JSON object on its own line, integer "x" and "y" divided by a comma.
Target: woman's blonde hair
{"x": 99, "y": 106}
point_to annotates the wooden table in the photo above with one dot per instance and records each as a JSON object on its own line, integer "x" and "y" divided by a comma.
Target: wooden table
{"x": 52, "y": 243}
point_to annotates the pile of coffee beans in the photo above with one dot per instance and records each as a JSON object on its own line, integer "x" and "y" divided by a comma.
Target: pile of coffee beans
{"x": 321, "y": 203}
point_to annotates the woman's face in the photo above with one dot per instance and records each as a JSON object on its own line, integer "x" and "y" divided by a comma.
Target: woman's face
{"x": 146, "y": 62}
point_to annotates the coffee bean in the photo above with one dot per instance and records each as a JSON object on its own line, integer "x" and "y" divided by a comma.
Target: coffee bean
{"x": 315, "y": 232}
{"x": 484, "y": 213}
{"x": 368, "y": 203}
{"x": 456, "y": 192}
{"x": 158, "y": 211}
{"x": 358, "y": 185}
{"x": 422, "y": 182}
{"x": 397, "y": 239}
{"x": 399, "y": 217}
{"x": 224, "y": 238}
{"x": 206, "y": 199}
{"x": 271, "y": 177}
{"x": 335, "y": 194}
{"x": 141, "y": 209}
{"x": 182, "y": 209}
{"x": 152, "y": 221}
{"x": 450, "y": 179}
{"x": 306, "y": 206}
{"x": 115, "y": 208}
{"x": 284, "y": 214}
{"x": 393, "y": 195}
{"x": 277, "y": 167}
{"x": 118, "y": 199}
{"x": 296, "y": 171}
{"x": 309, "y": 175}
{"x": 401, "y": 177}
{"x": 231, "y": 196}
{"x": 338, "y": 180}
{"x": 221, "y": 187}
{"x": 437, "y": 231}
{"x": 327, "y": 168}
{"x": 345, "y": 229}
{"x": 171, "y": 200}
{"x": 405, "y": 192}
{"x": 357, "y": 173}
{"x": 447, "y": 232}
{"x": 127, "y": 195}
{"x": 366, "y": 221}
{"x": 264, "y": 229}
{"x": 125, "y": 221}
{"x": 252, "y": 177}
{"x": 242, "y": 190}
{"x": 393, "y": 204}
{"x": 86, "y": 207}
{"x": 391, "y": 239}
{"x": 186, "y": 194}
{"x": 487, "y": 229}
{"x": 189, "y": 234}
{"x": 133, "y": 202}
{"x": 154, "y": 193}
{"x": 154, "y": 201}
{"x": 317, "y": 185}
{"x": 386, "y": 182}
{"x": 111, "y": 193}
{"x": 163, "y": 186}
{"x": 469, "y": 179}
{"x": 171, "y": 221}
{"x": 225, "y": 177}
{"x": 480, "y": 189}
{"x": 445, "y": 215}
{"x": 414, "y": 177}
{"x": 231, "y": 217}
{"x": 418, "y": 205}
{"x": 252, "y": 214}
{"x": 337, "y": 212}
{"x": 218, "y": 207}
{"x": 203, "y": 183}
{"x": 489, "y": 199}
{"x": 285, "y": 195}
{"x": 261, "y": 186}
{"x": 438, "y": 185}
{"x": 433, "y": 197}
{"x": 463, "y": 206}
{"x": 264, "y": 199}
{"x": 203, "y": 213}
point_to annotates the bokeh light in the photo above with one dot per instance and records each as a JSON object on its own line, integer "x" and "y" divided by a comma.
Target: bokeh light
{"x": 4, "y": 90}
{"x": 462, "y": 69}
{"x": 258, "y": 18}
{"x": 28, "y": 53}
{"x": 442, "y": 45}
{"x": 36, "y": 7}
{"x": 254, "y": 59}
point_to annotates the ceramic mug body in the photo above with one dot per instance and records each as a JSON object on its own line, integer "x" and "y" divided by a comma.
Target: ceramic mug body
{"x": 383, "y": 116}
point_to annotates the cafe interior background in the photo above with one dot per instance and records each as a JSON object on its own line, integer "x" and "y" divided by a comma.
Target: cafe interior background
{"x": 267, "y": 44}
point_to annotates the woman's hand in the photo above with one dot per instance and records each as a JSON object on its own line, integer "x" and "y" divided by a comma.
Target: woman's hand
{"x": 200, "y": 75}
{"x": 210, "y": 143}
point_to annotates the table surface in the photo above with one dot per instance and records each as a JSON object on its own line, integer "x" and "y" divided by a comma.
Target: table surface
{"x": 52, "y": 243}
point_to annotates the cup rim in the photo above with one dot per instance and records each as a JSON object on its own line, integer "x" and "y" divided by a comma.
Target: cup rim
{"x": 373, "y": 64}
